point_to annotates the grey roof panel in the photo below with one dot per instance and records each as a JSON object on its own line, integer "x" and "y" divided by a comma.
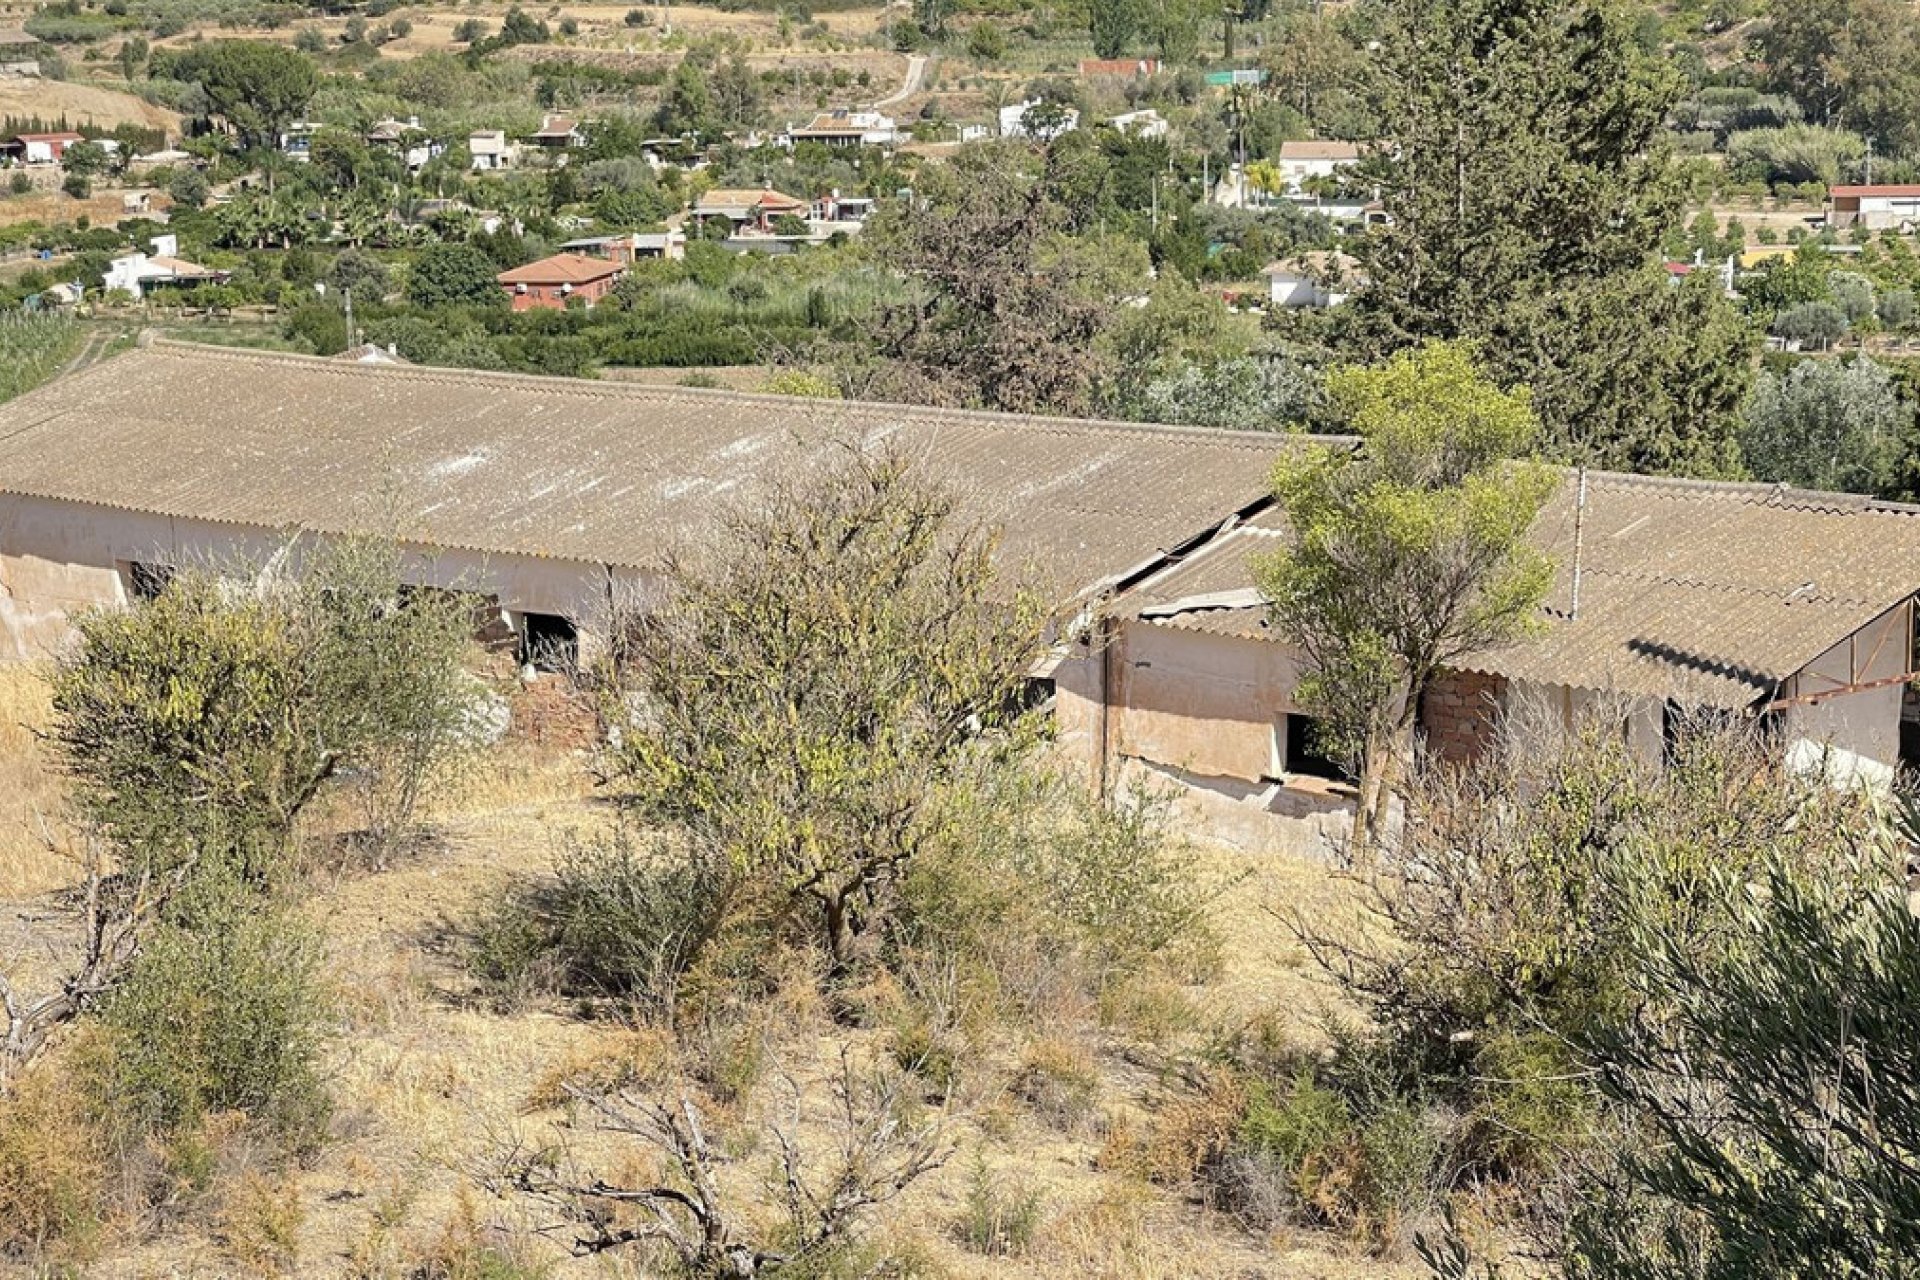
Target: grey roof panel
{"x": 583, "y": 470}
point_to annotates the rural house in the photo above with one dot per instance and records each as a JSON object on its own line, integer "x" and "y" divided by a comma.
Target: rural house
{"x": 559, "y": 133}
{"x": 544, "y": 496}
{"x": 488, "y": 150}
{"x": 40, "y": 148}
{"x": 848, "y": 129}
{"x": 17, "y": 53}
{"x": 1881, "y": 208}
{"x": 1145, "y": 123}
{"x": 1303, "y": 161}
{"x": 630, "y": 246}
{"x": 1683, "y": 597}
{"x": 1324, "y": 278}
{"x": 748, "y": 209}
{"x": 554, "y": 282}
{"x": 1050, "y": 120}
{"x": 136, "y": 274}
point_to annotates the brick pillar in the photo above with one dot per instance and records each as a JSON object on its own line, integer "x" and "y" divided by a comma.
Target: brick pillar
{"x": 1459, "y": 713}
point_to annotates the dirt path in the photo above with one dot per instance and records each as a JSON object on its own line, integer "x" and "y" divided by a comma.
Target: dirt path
{"x": 916, "y": 72}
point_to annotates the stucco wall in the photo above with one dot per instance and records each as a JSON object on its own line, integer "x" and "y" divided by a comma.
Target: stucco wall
{"x": 57, "y": 558}
{"x": 1201, "y": 703}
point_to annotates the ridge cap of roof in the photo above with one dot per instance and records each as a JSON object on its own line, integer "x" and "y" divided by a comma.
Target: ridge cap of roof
{"x": 173, "y": 348}
{"x": 1762, "y": 489}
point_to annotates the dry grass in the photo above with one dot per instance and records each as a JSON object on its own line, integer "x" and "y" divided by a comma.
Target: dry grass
{"x": 434, "y": 1085}
{"x": 31, "y": 793}
{"x": 82, "y": 104}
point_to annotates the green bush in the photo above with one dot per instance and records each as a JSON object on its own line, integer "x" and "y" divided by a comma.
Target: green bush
{"x": 224, "y": 1011}
{"x": 996, "y": 1220}
{"x": 208, "y": 717}
{"x": 622, "y": 917}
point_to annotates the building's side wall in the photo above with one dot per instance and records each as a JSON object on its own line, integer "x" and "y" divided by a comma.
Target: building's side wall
{"x": 1198, "y": 714}
{"x": 58, "y": 558}
{"x": 1862, "y": 727}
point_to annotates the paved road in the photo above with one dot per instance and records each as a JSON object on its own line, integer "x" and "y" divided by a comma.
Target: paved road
{"x": 916, "y": 72}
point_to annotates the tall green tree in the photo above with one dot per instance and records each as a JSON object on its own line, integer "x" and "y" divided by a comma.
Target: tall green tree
{"x": 1407, "y": 553}
{"x": 1527, "y": 189}
{"x": 1113, "y": 25}
{"x": 1007, "y": 310}
{"x": 453, "y": 275}
{"x": 257, "y": 88}
{"x": 1854, "y": 63}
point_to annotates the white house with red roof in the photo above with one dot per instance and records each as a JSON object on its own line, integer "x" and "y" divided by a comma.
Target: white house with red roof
{"x": 1880, "y": 208}
{"x": 41, "y": 148}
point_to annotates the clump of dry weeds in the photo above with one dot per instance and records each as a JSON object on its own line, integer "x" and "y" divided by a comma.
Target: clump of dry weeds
{"x": 32, "y": 792}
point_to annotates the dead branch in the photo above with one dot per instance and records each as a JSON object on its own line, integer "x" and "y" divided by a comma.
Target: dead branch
{"x": 693, "y": 1214}
{"x": 118, "y": 916}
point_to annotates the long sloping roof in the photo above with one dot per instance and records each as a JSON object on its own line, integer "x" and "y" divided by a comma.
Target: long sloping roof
{"x": 582, "y": 470}
{"x": 1713, "y": 593}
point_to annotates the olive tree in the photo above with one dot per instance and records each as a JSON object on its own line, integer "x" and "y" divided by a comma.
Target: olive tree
{"x": 1407, "y": 553}
{"x": 199, "y": 725}
{"x": 217, "y": 712}
{"x": 798, "y": 702}
{"x": 1778, "y": 1096}
{"x": 1826, "y": 425}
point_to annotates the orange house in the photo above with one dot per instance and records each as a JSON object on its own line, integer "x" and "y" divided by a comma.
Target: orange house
{"x": 553, "y": 282}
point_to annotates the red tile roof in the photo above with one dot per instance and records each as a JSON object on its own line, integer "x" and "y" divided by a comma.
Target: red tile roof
{"x": 1883, "y": 190}
{"x": 562, "y": 268}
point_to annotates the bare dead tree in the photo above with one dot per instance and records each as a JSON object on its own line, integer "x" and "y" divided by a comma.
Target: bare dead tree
{"x": 697, "y": 1216}
{"x": 117, "y": 914}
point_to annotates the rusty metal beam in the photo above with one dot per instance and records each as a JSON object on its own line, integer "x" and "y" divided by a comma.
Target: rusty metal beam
{"x": 1815, "y": 699}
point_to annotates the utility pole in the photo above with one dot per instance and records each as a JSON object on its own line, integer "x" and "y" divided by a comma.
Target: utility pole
{"x": 348, "y": 295}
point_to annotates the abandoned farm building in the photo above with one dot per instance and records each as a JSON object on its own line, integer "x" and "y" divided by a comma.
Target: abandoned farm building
{"x": 544, "y": 494}
{"x": 535, "y": 491}
{"x": 1690, "y": 598}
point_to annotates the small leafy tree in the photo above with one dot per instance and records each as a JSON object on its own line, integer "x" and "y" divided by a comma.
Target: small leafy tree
{"x": 1826, "y": 425}
{"x": 218, "y": 711}
{"x": 1408, "y": 553}
{"x": 799, "y": 704}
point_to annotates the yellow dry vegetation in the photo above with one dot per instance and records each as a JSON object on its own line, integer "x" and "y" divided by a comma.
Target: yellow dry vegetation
{"x": 82, "y": 104}
{"x": 32, "y": 857}
{"x": 434, "y": 1084}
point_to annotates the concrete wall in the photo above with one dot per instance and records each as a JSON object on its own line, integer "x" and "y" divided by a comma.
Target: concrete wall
{"x": 57, "y": 558}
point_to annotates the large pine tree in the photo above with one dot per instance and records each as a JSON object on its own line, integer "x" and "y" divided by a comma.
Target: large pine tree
{"x": 1528, "y": 192}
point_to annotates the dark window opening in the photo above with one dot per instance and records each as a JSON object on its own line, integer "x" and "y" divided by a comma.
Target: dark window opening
{"x": 1307, "y": 750}
{"x": 1036, "y": 694}
{"x": 549, "y": 642}
{"x": 146, "y": 581}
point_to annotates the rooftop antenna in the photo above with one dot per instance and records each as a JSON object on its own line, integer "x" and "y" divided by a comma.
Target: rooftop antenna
{"x": 1579, "y": 530}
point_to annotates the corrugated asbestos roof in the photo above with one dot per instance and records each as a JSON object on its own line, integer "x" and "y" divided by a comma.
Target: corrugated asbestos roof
{"x": 589, "y": 471}
{"x": 1712, "y": 593}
